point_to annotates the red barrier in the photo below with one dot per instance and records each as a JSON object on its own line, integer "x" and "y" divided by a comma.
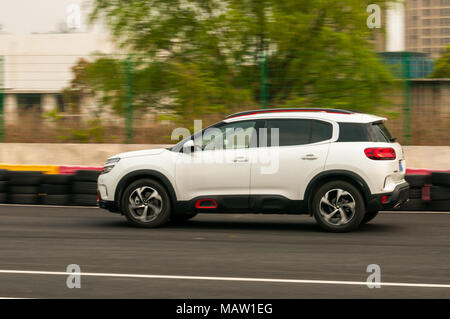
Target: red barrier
{"x": 423, "y": 171}
{"x": 69, "y": 170}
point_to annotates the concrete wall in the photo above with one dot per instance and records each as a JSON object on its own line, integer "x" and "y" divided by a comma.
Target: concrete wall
{"x": 430, "y": 157}
{"x": 64, "y": 154}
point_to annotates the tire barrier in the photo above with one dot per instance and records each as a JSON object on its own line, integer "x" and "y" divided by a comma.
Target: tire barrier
{"x": 56, "y": 190}
{"x": 24, "y": 187}
{"x": 428, "y": 192}
{"x": 34, "y": 188}
{"x": 4, "y": 181}
{"x": 84, "y": 187}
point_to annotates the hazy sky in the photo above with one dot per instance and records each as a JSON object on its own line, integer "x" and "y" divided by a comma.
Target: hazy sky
{"x": 26, "y": 16}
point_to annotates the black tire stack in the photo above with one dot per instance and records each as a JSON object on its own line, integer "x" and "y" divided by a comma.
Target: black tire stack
{"x": 428, "y": 192}
{"x": 24, "y": 187}
{"x": 416, "y": 184}
{"x": 56, "y": 190}
{"x": 84, "y": 188}
{"x": 440, "y": 191}
{"x": 4, "y": 179}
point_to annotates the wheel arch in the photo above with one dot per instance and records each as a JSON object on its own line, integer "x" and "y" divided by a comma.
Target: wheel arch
{"x": 140, "y": 174}
{"x": 333, "y": 175}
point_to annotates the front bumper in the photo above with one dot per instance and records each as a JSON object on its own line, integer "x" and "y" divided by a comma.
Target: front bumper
{"x": 109, "y": 205}
{"x": 388, "y": 201}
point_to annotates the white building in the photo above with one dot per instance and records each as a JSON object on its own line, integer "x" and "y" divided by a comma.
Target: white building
{"x": 37, "y": 67}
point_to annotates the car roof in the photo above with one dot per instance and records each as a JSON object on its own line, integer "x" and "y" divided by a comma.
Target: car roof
{"x": 335, "y": 115}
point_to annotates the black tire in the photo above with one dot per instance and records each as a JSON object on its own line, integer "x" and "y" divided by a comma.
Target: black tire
{"x": 25, "y": 178}
{"x": 85, "y": 188}
{"x": 369, "y": 216}
{"x": 418, "y": 180}
{"x": 3, "y": 198}
{"x": 4, "y": 175}
{"x": 440, "y": 193}
{"x": 86, "y": 176}
{"x": 56, "y": 189}
{"x": 24, "y": 190}
{"x": 440, "y": 179}
{"x": 355, "y": 195}
{"x": 180, "y": 218}
{"x": 61, "y": 200}
{"x": 413, "y": 205}
{"x": 3, "y": 186}
{"x": 415, "y": 193}
{"x": 25, "y": 199}
{"x": 160, "y": 219}
{"x": 84, "y": 200}
{"x": 57, "y": 179}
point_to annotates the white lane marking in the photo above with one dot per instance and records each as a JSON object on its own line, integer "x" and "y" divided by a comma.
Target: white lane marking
{"x": 274, "y": 280}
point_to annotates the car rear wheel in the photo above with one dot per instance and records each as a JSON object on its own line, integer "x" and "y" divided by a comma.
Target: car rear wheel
{"x": 338, "y": 207}
{"x": 146, "y": 203}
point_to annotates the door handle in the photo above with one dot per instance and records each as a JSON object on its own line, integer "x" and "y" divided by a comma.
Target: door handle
{"x": 240, "y": 159}
{"x": 309, "y": 157}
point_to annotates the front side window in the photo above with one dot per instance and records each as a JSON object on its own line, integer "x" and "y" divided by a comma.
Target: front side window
{"x": 237, "y": 135}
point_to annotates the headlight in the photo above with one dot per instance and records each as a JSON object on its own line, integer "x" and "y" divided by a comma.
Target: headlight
{"x": 109, "y": 165}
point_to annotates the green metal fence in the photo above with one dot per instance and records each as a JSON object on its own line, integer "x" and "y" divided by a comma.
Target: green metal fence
{"x": 41, "y": 108}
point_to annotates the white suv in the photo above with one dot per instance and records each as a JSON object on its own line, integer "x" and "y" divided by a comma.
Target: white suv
{"x": 339, "y": 166}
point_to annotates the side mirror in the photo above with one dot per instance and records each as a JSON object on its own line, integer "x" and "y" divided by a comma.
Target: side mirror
{"x": 189, "y": 147}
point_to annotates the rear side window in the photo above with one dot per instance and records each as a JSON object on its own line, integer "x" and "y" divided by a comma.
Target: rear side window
{"x": 363, "y": 132}
{"x": 297, "y": 131}
{"x": 381, "y": 133}
{"x": 291, "y": 132}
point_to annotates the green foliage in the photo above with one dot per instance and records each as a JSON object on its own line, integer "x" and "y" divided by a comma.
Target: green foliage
{"x": 442, "y": 66}
{"x": 199, "y": 57}
{"x": 90, "y": 132}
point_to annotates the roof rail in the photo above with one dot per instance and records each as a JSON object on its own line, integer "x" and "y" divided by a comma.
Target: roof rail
{"x": 253, "y": 112}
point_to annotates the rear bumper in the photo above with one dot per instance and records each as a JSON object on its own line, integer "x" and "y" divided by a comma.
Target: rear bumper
{"x": 109, "y": 205}
{"x": 388, "y": 201}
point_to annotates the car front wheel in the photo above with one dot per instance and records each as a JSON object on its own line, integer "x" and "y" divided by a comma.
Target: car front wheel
{"x": 146, "y": 203}
{"x": 338, "y": 207}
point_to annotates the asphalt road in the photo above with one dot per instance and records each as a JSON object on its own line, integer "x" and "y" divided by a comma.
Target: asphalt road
{"x": 408, "y": 247}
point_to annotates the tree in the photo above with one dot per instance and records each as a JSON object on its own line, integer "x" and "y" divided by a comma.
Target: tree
{"x": 208, "y": 52}
{"x": 442, "y": 66}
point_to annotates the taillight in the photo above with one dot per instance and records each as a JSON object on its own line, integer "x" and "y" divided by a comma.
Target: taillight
{"x": 380, "y": 153}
